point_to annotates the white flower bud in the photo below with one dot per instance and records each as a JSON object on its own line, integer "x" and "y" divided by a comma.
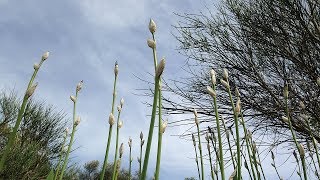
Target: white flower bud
{"x": 285, "y": 119}
{"x": 73, "y": 98}
{"x": 211, "y": 92}
{"x": 213, "y": 77}
{"x": 225, "y": 74}
{"x": 301, "y": 150}
{"x": 111, "y": 119}
{"x": 225, "y": 83}
{"x": 160, "y": 67}
{"x": 196, "y": 116}
{"x": 116, "y": 68}
{"x": 121, "y": 102}
{"x": 36, "y": 66}
{"x": 121, "y": 150}
{"x": 79, "y": 86}
{"x": 151, "y": 43}
{"x": 163, "y": 126}
{"x": 31, "y": 90}
{"x": 45, "y": 56}
{"x": 77, "y": 122}
{"x": 120, "y": 124}
{"x": 152, "y": 26}
{"x": 238, "y": 106}
{"x": 65, "y": 149}
{"x": 119, "y": 108}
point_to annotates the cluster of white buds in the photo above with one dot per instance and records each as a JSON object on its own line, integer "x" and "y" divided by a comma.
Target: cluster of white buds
{"x": 213, "y": 77}
{"x": 163, "y": 126}
{"x": 238, "y": 106}
{"x": 196, "y": 117}
{"x": 121, "y": 150}
{"x": 111, "y": 119}
{"x": 120, "y": 124}
{"x": 116, "y": 68}
{"x": 211, "y": 92}
{"x": 36, "y": 66}
{"x": 151, "y": 43}
{"x": 31, "y": 90}
{"x": 45, "y": 56}
{"x": 73, "y": 98}
{"x": 79, "y": 86}
{"x": 152, "y": 26}
{"x": 160, "y": 68}
{"x": 130, "y": 142}
{"x": 77, "y": 122}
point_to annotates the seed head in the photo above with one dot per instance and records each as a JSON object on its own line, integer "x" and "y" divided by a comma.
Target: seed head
{"x": 213, "y": 77}
{"x": 151, "y": 43}
{"x": 301, "y": 150}
{"x": 111, "y": 119}
{"x": 77, "y": 122}
{"x": 152, "y": 26}
{"x": 225, "y": 83}
{"x": 121, "y": 102}
{"x": 225, "y": 74}
{"x": 119, "y": 108}
{"x": 285, "y": 119}
{"x": 73, "y": 98}
{"x": 31, "y": 90}
{"x": 211, "y": 92}
{"x": 238, "y": 106}
{"x": 130, "y": 142}
{"x": 116, "y": 68}
{"x": 196, "y": 117}
{"x": 163, "y": 126}
{"x": 79, "y": 86}
{"x": 160, "y": 67}
{"x": 45, "y": 56}
{"x": 36, "y": 66}
{"x": 141, "y": 135}
{"x": 121, "y": 150}
{"x": 120, "y": 124}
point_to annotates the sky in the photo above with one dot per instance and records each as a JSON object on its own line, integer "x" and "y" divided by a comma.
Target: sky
{"x": 85, "y": 38}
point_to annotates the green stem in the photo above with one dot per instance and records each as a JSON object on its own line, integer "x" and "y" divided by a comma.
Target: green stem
{"x": 18, "y": 122}
{"x": 221, "y": 162}
{"x": 105, "y": 162}
{"x": 130, "y": 163}
{"x": 60, "y": 158}
{"x": 235, "y": 116}
{"x": 195, "y": 150}
{"x": 117, "y": 147}
{"x": 200, "y": 149}
{"x": 210, "y": 160}
{"x": 295, "y": 139}
{"x": 229, "y": 144}
{"x": 140, "y": 164}
{"x": 159, "y": 138}
{"x": 150, "y": 134}
{"x": 316, "y": 148}
{"x": 71, "y": 139}
{"x": 264, "y": 177}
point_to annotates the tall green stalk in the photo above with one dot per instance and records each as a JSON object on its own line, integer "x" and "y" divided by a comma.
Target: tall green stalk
{"x": 61, "y": 155}
{"x": 195, "y": 150}
{"x": 105, "y": 162}
{"x": 209, "y": 153}
{"x": 235, "y": 116}
{"x": 130, "y": 157}
{"x": 298, "y": 146}
{"x": 28, "y": 93}
{"x": 199, "y": 145}
{"x": 119, "y": 124}
{"x": 75, "y": 124}
{"x": 229, "y": 143}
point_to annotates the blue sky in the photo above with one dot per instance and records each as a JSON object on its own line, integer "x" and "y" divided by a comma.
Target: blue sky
{"x": 84, "y": 39}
